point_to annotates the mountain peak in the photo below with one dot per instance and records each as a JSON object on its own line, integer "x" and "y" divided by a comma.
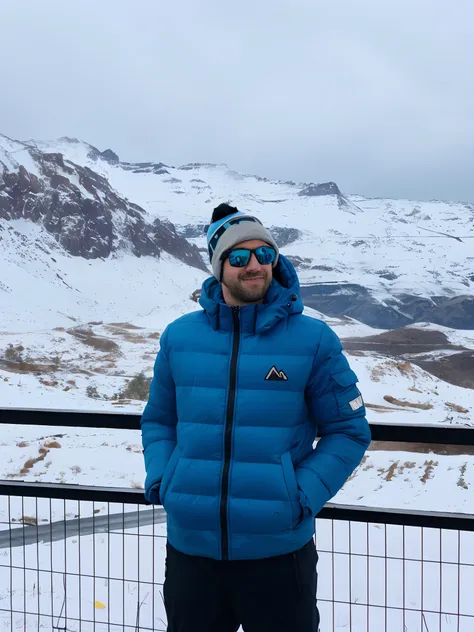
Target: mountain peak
{"x": 325, "y": 188}
{"x": 110, "y": 156}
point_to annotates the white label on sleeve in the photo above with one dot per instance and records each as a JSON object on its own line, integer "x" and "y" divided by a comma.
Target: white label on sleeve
{"x": 356, "y": 403}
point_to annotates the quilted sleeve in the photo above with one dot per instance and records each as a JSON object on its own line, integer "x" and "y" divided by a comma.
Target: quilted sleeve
{"x": 338, "y": 411}
{"x": 158, "y": 423}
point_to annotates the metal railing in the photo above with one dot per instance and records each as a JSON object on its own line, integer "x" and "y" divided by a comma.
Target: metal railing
{"x": 88, "y": 558}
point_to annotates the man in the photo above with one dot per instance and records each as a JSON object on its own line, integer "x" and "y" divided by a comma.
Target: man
{"x": 240, "y": 390}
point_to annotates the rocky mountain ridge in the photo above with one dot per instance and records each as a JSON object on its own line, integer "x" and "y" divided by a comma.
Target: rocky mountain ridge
{"x": 77, "y": 205}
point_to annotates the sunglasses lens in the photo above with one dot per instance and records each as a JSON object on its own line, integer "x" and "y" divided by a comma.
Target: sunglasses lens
{"x": 265, "y": 255}
{"x": 239, "y": 258}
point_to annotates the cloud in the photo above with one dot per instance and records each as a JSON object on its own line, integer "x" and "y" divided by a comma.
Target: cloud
{"x": 374, "y": 95}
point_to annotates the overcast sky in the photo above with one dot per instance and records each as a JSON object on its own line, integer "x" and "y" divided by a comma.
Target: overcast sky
{"x": 377, "y": 95}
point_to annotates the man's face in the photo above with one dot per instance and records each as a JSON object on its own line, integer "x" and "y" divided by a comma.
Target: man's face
{"x": 242, "y": 286}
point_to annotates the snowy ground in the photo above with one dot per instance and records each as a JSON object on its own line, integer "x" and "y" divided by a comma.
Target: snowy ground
{"x": 42, "y": 287}
{"x": 103, "y": 354}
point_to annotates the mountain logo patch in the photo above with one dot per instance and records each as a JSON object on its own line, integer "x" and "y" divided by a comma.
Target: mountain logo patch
{"x": 274, "y": 375}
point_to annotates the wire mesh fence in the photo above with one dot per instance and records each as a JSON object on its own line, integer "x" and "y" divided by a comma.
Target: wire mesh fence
{"x": 80, "y": 565}
{"x": 74, "y": 565}
{"x": 395, "y": 578}
{"x": 76, "y": 558}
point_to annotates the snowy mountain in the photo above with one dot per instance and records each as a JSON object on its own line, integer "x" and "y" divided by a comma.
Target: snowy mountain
{"x": 79, "y": 208}
{"x": 387, "y": 263}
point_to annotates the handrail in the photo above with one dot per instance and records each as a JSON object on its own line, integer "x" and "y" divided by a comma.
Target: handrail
{"x": 402, "y": 433}
{"x": 332, "y": 511}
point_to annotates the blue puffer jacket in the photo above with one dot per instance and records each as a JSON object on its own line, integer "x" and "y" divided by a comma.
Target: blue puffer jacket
{"x": 237, "y": 398}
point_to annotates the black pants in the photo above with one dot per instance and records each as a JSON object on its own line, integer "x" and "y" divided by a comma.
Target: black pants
{"x": 276, "y": 594}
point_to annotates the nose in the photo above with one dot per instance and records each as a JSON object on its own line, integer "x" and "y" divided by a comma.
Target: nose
{"x": 253, "y": 265}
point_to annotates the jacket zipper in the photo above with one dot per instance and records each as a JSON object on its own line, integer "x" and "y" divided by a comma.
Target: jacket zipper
{"x": 228, "y": 433}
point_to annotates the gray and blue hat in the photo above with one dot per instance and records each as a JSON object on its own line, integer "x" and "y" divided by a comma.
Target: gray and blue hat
{"x": 230, "y": 227}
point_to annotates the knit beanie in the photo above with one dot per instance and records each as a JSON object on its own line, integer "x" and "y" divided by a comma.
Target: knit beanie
{"x": 230, "y": 227}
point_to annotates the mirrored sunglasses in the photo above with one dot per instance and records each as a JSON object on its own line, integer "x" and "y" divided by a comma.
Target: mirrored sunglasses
{"x": 240, "y": 257}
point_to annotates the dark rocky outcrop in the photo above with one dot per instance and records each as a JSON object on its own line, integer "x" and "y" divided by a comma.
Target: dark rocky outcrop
{"x": 356, "y": 301}
{"x": 417, "y": 345}
{"x": 110, "y": 156}
{"x": 158, "y": 168}
{"x": 330, "y": 188}
{"x": 86, "y": 216}
{"x": 285, "y": 236}
{"x": 457, "y": 312}
{"x": 401, "y": 341}
{"x": 192, "y": 231}
{"x": 456, "y": 368}
{"x": 326, "y": 188}
{"x": 300, "y": 263}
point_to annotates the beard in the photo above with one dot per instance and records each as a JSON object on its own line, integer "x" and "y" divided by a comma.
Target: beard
{"x": 245, "y": 292}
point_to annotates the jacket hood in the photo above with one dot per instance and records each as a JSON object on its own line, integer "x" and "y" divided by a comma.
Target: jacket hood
{"x": 282, "y": 300}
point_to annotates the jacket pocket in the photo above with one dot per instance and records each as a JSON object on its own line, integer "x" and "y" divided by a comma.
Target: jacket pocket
{"x": 168, "y": 474}
{"x": 348, "y": 397}
{"x": 292, "y": 489}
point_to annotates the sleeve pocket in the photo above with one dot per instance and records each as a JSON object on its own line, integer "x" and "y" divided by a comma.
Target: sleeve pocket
{"x": 345, "y": 378}
{"x": 348, "y": 397}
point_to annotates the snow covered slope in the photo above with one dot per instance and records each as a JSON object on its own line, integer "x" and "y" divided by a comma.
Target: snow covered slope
{"x": 42, "y": 286}
{"x": 386, "y": 262}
